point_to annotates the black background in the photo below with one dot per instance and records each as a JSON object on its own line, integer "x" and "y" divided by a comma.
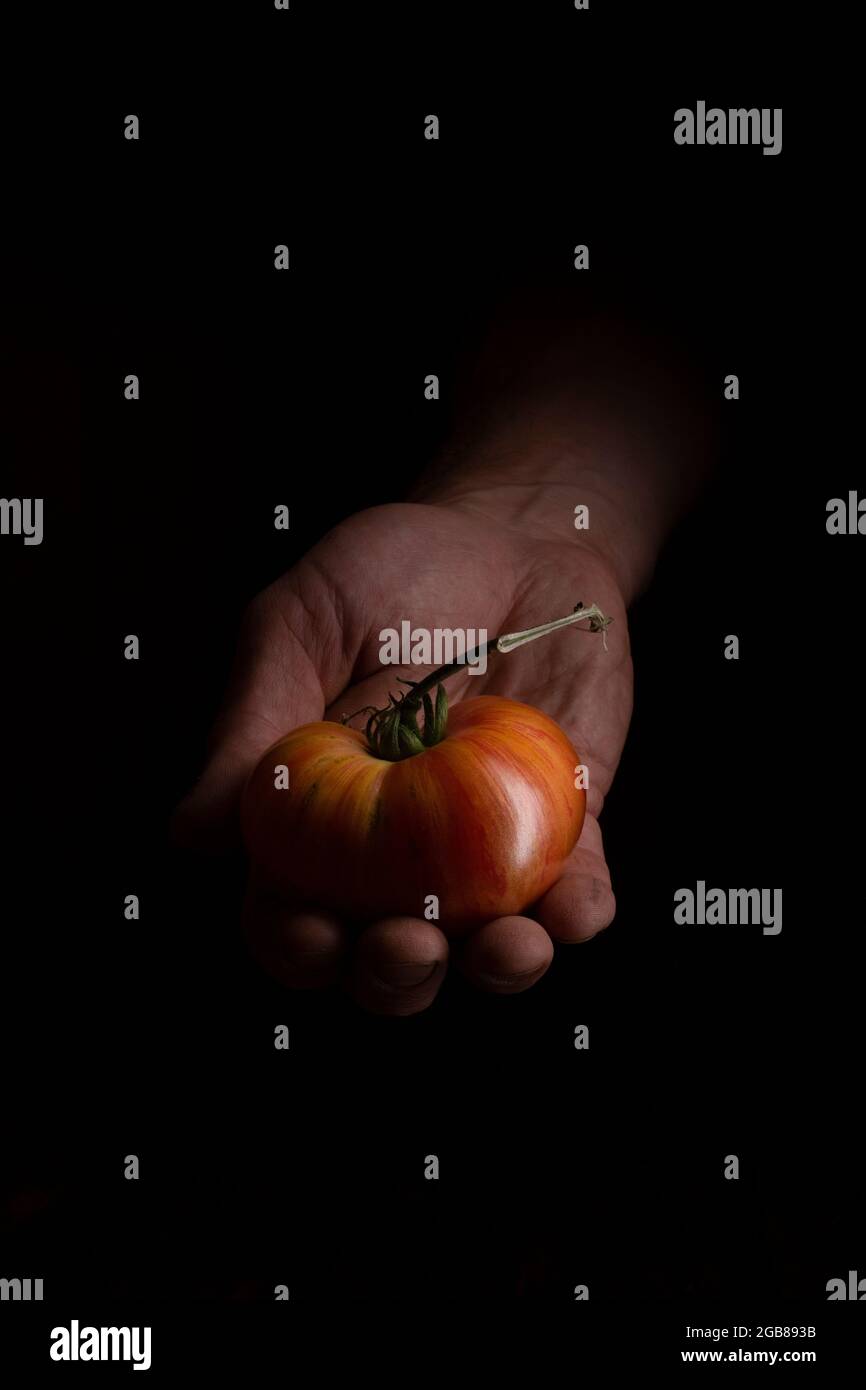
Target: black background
{"x": 155, "y": 1038}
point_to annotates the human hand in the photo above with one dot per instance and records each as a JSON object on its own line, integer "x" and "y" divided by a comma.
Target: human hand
{"x": 309, "y": 649}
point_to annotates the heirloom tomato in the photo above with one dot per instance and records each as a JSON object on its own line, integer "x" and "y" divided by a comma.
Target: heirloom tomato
{"x": 483, "y": 819}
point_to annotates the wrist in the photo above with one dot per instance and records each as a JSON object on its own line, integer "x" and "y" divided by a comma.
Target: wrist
{"x": 556, "y": 494}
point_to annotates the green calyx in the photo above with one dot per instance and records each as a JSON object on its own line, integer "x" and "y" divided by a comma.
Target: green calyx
{"x": 393, "y": 732}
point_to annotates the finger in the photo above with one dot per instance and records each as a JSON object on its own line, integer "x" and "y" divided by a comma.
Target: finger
{"x": 581, "y": 903}
{"x": 301, "y": 950}
{"x": 273, "y": 688}
{"x": 399, "y": 966}
{"x": 506, "y": 956}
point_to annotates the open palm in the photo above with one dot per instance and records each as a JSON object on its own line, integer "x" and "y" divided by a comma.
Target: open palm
{"x": 309, "y": 649}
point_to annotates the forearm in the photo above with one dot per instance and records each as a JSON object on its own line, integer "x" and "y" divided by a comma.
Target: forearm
{"x": 560, "y": 414}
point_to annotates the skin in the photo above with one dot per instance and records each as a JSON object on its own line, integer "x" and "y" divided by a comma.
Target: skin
{"x": 489, "y": 541}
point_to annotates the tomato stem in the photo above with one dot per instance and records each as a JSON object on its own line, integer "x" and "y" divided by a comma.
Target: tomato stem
{"x": 393, "y": 732}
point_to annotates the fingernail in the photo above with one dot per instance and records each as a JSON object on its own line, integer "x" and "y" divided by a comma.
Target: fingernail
{"x": 405, "y": 974}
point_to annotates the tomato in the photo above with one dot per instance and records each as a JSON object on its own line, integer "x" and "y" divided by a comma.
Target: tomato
{"x": 484, "y": 819}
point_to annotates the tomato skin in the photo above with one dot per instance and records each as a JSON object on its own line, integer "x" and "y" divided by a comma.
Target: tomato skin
{"x": 485, "y": 819}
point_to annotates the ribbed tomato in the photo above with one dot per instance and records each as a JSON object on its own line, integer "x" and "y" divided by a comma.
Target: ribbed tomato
{"x": 484, "y": 819}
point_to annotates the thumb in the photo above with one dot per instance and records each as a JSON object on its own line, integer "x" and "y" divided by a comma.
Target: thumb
{"x": 273, "y": 687}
